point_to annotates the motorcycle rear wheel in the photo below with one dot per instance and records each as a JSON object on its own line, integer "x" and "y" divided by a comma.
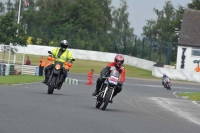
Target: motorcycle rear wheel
{"x": 51, "y": 86}
{"x": 168, "y": 86}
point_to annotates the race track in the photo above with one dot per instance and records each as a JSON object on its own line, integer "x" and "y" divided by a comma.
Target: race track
{"x": 143, "y": 106}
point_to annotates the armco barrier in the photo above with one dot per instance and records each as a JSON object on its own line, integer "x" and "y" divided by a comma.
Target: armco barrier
{"x": 71, "y": 81}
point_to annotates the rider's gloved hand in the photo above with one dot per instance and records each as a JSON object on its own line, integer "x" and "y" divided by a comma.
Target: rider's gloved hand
{"x": 120, "y": 83}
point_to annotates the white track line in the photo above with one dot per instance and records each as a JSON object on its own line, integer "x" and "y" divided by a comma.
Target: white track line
{"x": 195, "y": 103}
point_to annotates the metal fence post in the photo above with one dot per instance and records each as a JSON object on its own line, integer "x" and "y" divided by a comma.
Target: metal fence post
{"x": 124, "y": 36}
{"x": 150, "y": 49}
{"x": 135, "y": 47}
{"x": 168, "y": 53}
{"x": 143, "y": 47}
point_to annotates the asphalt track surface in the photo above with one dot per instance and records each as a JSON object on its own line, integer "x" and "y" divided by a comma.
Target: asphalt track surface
{"x": 143, "y": 106}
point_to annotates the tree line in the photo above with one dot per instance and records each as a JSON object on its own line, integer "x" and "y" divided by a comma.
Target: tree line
{"x": 87, "y": 24}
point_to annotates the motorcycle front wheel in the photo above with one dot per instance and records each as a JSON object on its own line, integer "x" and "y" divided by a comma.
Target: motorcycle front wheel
{"x": 107, "y": 99}
{"x": 51, "y": 86}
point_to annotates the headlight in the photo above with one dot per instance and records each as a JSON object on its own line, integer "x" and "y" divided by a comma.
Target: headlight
{"x": 57, "y": 66}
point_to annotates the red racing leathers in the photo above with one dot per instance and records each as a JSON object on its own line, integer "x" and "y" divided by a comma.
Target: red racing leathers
{"x": 121, "y": 70}
{"x": 105, "y": 72}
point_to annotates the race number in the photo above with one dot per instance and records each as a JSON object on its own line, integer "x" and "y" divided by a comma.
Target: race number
{"x": 113, "y": 80}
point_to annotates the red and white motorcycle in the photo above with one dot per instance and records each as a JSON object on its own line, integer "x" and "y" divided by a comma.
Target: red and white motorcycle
{"x": 167, "y": 83}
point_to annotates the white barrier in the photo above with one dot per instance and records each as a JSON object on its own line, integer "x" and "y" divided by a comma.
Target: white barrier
{"x": 71, "y": 81}
{"x": 89, "y": 55}
{"x": 176, "y": 74}
{"x": 108, "y": 57}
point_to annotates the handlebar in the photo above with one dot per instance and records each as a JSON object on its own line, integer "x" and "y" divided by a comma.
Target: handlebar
{"x": 56, "y": 58}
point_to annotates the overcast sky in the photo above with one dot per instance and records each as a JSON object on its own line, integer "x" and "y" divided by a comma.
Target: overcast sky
{"x": 142, "y": 10}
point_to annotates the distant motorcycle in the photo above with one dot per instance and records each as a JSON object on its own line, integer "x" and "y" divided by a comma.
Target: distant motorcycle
{"x": 167, "y": 83}
{"x": 54, "y": 78}
{"x": 107, "y": 89}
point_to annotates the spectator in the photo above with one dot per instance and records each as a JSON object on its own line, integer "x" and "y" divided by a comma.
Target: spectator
{"x": 41, "y": 66}
{"x": 90, "y": 76}
{"x": 197, "y": 69}
{"x": 28, "y": 61}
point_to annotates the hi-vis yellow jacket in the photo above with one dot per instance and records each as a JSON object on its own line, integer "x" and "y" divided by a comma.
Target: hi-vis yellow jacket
{"x": 65, "y": 57}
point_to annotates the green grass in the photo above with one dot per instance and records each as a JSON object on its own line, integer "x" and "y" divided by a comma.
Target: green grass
{"x": 20, "y": 79}
{"x": 191, "y": 95}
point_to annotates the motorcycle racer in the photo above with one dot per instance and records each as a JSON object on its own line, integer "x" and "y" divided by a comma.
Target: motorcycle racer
{"x": 163, "y": 78}
{"x": 118, "y": 65}
{"x": 63, "y": 55}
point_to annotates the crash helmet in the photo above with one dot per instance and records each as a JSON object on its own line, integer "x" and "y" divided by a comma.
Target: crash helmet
{"x": 119, "y": 60}
{"x": 64, "y": 44}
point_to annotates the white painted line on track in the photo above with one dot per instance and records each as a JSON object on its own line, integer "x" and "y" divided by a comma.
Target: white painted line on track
{"x": 174, "y": 93}
{"x": 171, "y": 105}
{"x": 179, "y": 97}
{"x": 195, "y": 103}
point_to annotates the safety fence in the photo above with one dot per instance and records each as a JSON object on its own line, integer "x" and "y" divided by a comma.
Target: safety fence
{"x": 148, "y": 48}
{"x": 15, "y": 69}
{"x": 7, "y": 69}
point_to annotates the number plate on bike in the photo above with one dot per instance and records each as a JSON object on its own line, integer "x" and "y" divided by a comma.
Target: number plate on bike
{"x": 113, "y": 80}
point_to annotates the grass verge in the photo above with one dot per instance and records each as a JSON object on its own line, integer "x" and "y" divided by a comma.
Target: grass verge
{"x": 19, "y": 79}
{"x": 191, "y": 95}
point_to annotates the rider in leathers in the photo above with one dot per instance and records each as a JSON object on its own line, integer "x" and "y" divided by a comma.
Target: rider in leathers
{"x": 117, "y": 64}
{"x": 163, "y": 78}
{"x": 63, "y": 55}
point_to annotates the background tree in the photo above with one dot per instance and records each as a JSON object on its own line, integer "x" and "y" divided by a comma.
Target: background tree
{"x": 8, "y": 30}
{"x": 121, "y": 30}
{"x": 195, "y": 4}
{"x": 2, "y": 8}
{"x": 162, "y": 29}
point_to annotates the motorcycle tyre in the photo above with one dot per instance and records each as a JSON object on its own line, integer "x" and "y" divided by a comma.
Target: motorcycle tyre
{"x": 168, "y": 86}
{"x": 51, "y": 86}
{"x": 107, "y": 99}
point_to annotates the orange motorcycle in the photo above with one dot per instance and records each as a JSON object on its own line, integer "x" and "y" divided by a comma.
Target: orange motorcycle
{"x": 55, "y": 73}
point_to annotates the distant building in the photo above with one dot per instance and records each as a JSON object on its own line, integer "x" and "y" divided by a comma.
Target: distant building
{"x": 189, "y": 41}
